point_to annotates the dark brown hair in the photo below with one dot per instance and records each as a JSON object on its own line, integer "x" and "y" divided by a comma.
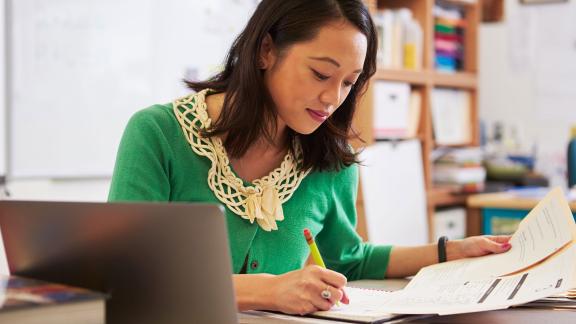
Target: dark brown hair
{"x": 249, "y": 110}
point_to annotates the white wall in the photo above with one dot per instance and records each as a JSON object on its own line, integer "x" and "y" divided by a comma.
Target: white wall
{"x": 59, "y": 189}
{"x": 527, "y": 68}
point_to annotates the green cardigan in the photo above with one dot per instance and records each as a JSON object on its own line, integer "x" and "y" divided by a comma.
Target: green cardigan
{"x": 156, "y": 163}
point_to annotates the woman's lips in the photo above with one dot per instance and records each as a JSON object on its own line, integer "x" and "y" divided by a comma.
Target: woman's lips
{"x": 318, "y": 115}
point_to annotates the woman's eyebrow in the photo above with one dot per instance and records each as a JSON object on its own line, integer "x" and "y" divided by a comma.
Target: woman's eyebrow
{"x": 331, "y": 61}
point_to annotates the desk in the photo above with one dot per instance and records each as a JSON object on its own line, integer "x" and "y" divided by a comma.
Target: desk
{"x": 515, "y": 315}
{"x": 499, "y": 213}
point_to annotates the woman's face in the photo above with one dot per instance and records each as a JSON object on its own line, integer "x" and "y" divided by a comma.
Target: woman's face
{"x": 310, "y": 80}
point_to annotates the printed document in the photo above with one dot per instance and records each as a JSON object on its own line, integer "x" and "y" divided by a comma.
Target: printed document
{"x": 545, "y": 230}
{"x": 453, "y": 296}
{"x": 541, "y": 262}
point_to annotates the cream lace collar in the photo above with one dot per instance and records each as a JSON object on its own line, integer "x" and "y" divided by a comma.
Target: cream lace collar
{"x": 263, "y": 200}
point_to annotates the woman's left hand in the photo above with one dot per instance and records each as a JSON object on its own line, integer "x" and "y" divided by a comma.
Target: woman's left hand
{"x": 475, "y": 246}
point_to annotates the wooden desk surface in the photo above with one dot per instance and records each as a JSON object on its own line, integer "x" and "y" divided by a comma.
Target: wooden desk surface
{"x": 514, "y": 315}
{"x": 505, "y": 200}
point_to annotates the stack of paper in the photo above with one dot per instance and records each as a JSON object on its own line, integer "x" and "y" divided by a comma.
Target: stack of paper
{"x": 541, "y": 263}
{"x": 460, "y": 169}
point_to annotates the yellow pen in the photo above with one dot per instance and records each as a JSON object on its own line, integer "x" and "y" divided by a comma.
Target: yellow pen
{"x": 315, "y": 252}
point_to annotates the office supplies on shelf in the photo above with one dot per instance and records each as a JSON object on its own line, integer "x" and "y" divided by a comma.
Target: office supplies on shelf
{"x": 151, "y": 258}
{"x": 400, "y": 39}
{"x": 449, "y": 29}
{"x": 413, "y": 45}
{"x": 391, "y": 109}
{"x": 451, "y": 116}
{"x": 423, "y": 82}
{"x": 460, "y": 168}
{"x": 24, "y": 300}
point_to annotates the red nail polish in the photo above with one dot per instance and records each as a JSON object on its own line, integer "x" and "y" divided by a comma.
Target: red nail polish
{"x": 506, "y": 245}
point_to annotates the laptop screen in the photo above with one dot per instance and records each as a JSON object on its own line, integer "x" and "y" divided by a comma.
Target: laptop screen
{"x": 158, "y": 262}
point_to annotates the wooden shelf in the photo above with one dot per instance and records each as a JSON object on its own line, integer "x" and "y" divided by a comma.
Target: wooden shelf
{"x": 424, "y": 82}
{"x": 413, "y": 77}
{"x": 461, "y": 145}
{"x": 460, "y": 80}
{"x": 460, "y": 3}
{"x": 492, "y": 11}
{"x": 439, "y": 197}
{"x": 397, "y": 140}
{"x": 506, "y": 200}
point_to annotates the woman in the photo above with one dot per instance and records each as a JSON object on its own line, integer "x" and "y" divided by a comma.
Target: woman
{"x": 267, "y": 137}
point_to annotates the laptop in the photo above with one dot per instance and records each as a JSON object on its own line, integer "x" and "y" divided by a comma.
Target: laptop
{"x": 157, "y": 262}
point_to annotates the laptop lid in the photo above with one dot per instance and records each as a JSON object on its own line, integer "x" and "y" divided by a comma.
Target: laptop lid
{"x": 158, "y": 262}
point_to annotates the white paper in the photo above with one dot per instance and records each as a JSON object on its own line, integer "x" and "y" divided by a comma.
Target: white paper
{"x": 545, "y": 230}
{"x": 450, "y": 295}
{"x": 365, "y": 304}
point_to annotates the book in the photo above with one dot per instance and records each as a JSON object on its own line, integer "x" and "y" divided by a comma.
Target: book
{"x": 29, "y": 301}
{"x": 449, "y": 29}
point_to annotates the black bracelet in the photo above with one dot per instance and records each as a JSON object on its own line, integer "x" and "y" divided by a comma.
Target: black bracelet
{"x": 442, "y": 249}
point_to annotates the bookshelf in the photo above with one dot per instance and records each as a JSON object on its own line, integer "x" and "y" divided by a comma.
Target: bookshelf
{"x": 425, "y": 80}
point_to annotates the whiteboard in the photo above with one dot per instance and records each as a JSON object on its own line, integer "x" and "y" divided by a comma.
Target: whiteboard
{"x": 81, "y": 68}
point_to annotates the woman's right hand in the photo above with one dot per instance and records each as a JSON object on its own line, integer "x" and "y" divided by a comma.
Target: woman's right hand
{"x": 300, "y": 291}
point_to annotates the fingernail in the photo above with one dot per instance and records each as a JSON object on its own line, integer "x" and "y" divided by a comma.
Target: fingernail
{"x": 344, "y": 298}
{"x": 506, "y": 245}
